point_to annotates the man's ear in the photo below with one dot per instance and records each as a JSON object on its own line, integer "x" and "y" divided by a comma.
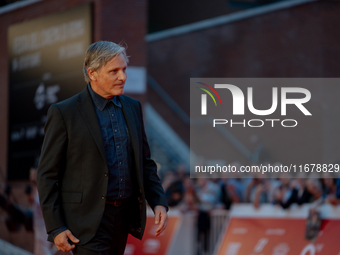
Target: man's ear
{"x": 92, "y": 74}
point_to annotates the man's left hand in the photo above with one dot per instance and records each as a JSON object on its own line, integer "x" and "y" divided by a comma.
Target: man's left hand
{"x": 161, "y": 218}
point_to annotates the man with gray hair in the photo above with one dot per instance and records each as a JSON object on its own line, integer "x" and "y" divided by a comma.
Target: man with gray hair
{"x": 95, "y": 170}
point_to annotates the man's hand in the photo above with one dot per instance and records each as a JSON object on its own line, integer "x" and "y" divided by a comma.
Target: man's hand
{"x": 61, "y": 241}
{"x": 161, "y": 218}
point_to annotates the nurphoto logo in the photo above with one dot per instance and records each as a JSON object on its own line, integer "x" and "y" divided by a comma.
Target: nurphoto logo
{"x": 238, "y": 105}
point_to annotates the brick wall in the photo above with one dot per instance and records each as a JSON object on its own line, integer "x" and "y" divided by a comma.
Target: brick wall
{"x": 301, "y": 41}
{"x": 113, "y": 20}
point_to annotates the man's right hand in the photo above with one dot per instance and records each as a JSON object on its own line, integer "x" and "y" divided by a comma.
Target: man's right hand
{"x": 61, "y": 241}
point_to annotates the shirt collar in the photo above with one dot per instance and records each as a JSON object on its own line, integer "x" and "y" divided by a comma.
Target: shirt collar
{"x": 100, "y": 102}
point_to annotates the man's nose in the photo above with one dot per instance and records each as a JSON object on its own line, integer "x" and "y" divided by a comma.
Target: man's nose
{"x": 122, "y": 76}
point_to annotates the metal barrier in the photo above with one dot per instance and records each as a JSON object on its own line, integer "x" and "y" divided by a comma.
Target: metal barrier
{"x": 219, "y": 219}
{"x": 185, "y": 241}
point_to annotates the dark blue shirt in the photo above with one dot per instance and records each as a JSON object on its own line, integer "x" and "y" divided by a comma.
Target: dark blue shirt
{"x": 117, "y": 143}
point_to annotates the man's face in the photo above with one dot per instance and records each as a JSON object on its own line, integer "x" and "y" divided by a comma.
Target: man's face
{"x": 109, "y": 80}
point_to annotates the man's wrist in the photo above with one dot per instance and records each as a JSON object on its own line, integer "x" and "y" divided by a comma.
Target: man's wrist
{"x": 166, "y": 207}
{"x": 57, "y": 231}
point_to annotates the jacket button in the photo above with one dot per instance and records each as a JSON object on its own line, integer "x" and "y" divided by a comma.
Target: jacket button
{"x": 105, "y": 174}
{"x": 103, "y": 196}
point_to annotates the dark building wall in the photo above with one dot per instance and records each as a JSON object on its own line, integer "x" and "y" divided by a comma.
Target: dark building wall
{"x": 117, "y": 21}
{"x": 300, "y": 41}
{"x": 167, "y": 14}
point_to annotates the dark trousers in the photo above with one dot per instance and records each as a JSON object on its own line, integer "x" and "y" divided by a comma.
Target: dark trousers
{"x": 112, "y": 233}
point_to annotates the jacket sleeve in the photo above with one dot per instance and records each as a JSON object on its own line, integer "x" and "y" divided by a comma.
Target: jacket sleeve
{"x": 154, "y": 192}
{"x": 51, "y": 165}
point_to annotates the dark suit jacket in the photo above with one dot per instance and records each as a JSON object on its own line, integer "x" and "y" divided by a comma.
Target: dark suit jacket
{"x": 71, "y": 176}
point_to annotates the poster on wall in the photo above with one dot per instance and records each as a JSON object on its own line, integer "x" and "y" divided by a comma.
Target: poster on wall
{"x": 45, "y": 66}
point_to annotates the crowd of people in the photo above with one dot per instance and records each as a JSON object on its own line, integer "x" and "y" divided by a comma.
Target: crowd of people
{"x": 204, "y": 194}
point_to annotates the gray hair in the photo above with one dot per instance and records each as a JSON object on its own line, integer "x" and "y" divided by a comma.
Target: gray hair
{"x": 99, "y": 53}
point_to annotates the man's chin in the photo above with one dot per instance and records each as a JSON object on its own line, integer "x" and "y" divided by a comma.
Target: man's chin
{"x": 119, "y": 92}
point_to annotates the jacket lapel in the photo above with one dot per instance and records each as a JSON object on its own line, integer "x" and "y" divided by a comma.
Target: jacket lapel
{"x": 86, "y": 108}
